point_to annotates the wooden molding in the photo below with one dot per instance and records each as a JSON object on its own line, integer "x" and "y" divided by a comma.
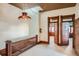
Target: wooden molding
{"x": 43, "y": 42}
{"x": 8, "y": 48}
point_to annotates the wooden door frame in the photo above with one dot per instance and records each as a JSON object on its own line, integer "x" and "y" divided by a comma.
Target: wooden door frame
{"x": 57, "y": 18}
{"x": 73, "y": 20}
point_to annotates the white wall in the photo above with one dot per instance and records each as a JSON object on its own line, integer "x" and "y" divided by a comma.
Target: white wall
{"x": 34, "y": 23}
{"x": 44, "y": 19}
{"x": 13, "y": 29}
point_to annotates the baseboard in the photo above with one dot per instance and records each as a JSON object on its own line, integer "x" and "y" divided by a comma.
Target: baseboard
{"x": 43, "y": 42}
{"x": 63, "y": 44}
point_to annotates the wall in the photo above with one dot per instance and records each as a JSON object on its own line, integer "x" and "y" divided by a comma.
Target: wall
{"x": 34, "y": 23}
{"x": 77, "y": 10}
{"x": 13, "y": 29}
{"x": 44, "y": 19}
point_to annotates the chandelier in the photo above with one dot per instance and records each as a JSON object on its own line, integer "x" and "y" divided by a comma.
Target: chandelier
{"x": 24, "y": 16}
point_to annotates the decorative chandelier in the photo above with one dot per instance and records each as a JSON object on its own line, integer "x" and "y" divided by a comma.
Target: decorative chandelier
{"x": 24, "y": 16}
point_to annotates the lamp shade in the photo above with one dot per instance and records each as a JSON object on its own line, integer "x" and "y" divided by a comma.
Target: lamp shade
{"x": 24, "y": 16}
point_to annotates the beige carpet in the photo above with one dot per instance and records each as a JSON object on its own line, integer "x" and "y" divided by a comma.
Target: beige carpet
{"x": 41, "y": 50}
{"x": 50, "y": 50}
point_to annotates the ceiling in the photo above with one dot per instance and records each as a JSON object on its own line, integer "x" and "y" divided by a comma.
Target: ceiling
{"x": 44, "y": 6}
{"x": 25, "y": 5}
{"x": 54, "y": 6}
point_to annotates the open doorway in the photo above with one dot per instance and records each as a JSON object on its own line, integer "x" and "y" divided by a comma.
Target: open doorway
{"x": 53, "y": 30}
{"x": 67, "y": 25}
{"x": 61, "y": 31}
{"x": 67, "y": 32}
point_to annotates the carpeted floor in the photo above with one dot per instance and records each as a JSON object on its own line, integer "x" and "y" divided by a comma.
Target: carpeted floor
{"x": 41, "y": 50}
{"x": 50, "y": 50}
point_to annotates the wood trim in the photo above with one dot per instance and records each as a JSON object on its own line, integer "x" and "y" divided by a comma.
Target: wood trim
{"x": 8, "y": 48}
{"x": 63, "y": 44}
{"x": 55, "y": 17}
{"x": 67, "y": 16}
{"x": 43, "y": 42}
{"x": 36, "y": 39}
{"x": 25, "y": 39}
{"x": 60, "y": 30}
{"x": 53, "y": 21}
{"x": 74, "y": 31}
{"x": 48, "y": 29}
{"x": 66, "y": 21}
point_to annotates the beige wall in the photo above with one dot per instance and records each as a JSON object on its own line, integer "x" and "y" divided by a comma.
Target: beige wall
{"x": 44, "y": 19}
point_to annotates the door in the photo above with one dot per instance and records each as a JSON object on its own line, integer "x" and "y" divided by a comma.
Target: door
{"x": 53, "y": 29}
